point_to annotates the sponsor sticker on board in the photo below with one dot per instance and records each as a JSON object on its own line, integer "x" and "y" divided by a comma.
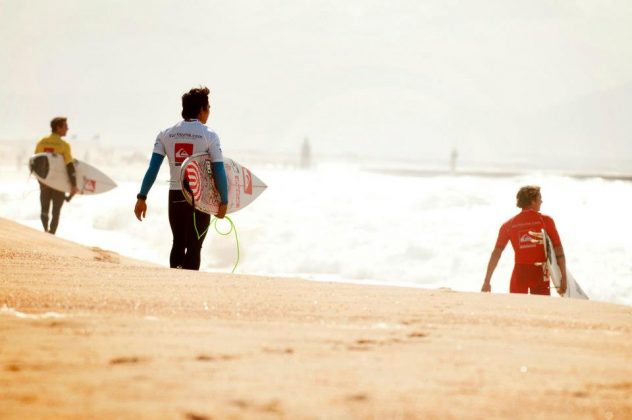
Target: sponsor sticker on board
{"x": 89, "y": 185}
{"x": 247, "y": 181}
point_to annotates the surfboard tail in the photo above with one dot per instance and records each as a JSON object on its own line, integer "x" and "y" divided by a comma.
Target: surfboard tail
{"x": 573, "y": 290}
{"x": 39, "y": 165}
{"x": 50, "y": 169}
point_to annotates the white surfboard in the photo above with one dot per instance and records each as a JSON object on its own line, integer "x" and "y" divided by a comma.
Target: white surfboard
{"x": 573, "y": 289}
{"x": 198, "y": 186}
{"x": 50, "y": 170}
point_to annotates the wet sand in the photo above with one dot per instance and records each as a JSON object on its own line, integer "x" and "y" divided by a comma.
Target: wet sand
{"x": 86, "y": 333}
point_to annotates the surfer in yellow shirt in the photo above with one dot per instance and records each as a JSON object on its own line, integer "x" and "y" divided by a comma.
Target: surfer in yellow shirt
{"x": 55, "y": 144}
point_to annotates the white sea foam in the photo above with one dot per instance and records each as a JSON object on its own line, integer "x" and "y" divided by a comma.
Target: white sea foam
{"x": 343, "y": 224}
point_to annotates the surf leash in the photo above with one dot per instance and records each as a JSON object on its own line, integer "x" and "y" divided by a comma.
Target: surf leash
{"x": 213, "y": 222}
{"x": 231, "y": 229}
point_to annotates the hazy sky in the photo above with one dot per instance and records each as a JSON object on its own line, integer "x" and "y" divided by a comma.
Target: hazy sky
{"x": 499, "y": 79}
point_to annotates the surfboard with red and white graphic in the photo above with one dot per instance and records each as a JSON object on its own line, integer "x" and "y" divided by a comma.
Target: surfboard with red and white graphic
{"x": 197, "y": 173}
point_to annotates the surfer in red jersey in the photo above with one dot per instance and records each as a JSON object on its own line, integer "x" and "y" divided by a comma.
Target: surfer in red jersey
{"x": 528, "y": 275}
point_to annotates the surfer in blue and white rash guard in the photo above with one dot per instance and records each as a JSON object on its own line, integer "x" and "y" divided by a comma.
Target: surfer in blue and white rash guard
{"x": 188, "y": 137}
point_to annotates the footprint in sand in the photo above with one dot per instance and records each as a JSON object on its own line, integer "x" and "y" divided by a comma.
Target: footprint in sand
{"x": 13, "y": 367}
{"x": 367, "y": 344}
{"x": 215, "y": 358}
{"x": 127, "y": 360}
{"x": 272, "y": 406}
{"x": 287, "y": 350}
{"x": 21, "y": 366}
{"x": 357, "y": 397}
{"x": 412, "y": 321}
{"x": 105, "y": 256}
{"x": 619, "y": 386}
{"x": 195, "y": 416}
{"x": 362, "y": 345}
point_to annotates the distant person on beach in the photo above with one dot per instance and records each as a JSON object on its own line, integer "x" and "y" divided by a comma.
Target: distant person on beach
{"x": 306, "y": 154}
{"x": 188, "y": 137}
{"x": 454, "y": 155}
{"x": 55, "y": 144}
{"x": 527, "y": 277}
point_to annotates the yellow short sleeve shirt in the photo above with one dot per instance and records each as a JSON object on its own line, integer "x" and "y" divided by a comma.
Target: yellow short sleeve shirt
{"x": 55, "y": 144}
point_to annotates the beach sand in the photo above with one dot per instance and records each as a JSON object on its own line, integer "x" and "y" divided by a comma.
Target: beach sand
{"x": 86, "y": 333}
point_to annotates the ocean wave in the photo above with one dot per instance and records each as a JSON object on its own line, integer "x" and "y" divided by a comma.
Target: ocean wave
{"x": 367, "y": 227}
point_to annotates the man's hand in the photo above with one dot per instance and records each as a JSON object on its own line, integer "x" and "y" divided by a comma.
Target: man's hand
{"x": 563, "y": 285}
{"x": 487, "y": 287}
{"x": 221, "y": 212}
{"x": 73, "y": 192}
{"x": 140, "y": 209}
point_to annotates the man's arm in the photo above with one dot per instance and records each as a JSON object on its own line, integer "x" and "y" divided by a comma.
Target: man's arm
{"x": 491, "y": 266}
{"x": 221, "y": 183}
{"x": 140, "y": 209}
{"x": 72, "y": 175}
{"x": 70, "y": 169}
{"x": 561, "y": 262}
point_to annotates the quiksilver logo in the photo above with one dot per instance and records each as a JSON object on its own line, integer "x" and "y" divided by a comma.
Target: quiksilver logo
{"x": 182, "y": 154}
{"x": 182, "y": 151}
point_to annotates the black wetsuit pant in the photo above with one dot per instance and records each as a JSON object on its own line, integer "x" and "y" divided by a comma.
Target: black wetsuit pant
{"x": 187, "y": 241}
{"x": 48, "y": 196}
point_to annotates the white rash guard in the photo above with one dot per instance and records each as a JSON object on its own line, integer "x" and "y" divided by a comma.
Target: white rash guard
{"x": 184, "y": 139}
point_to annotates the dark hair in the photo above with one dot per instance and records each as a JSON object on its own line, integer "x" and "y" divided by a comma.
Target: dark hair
{"x": 194, "y": 101}
{"x": 526, "y": 195}
{"x": 57, "y": 122}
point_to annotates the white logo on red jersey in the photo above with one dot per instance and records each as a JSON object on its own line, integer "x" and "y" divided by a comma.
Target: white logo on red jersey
{"x": 526, "y": 241}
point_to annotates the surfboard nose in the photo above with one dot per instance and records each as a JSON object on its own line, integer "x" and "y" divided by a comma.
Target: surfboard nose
{"x": 258, "y": 183}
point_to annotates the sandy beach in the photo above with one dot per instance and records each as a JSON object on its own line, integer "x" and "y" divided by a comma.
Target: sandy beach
{"x": 87, "y": 333}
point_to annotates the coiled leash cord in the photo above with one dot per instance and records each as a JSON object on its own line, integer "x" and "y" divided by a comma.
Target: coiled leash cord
{"x": 213, "y": 222}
